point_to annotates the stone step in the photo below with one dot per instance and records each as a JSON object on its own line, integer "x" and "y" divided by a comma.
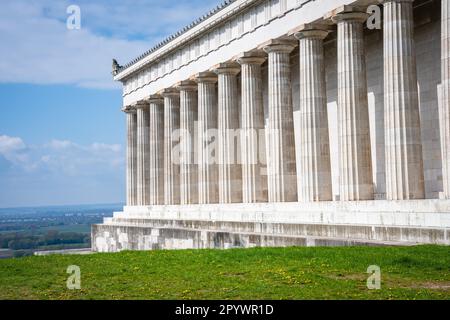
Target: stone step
{"x": 413, "y": 213}
{"x": 403, "y": 234}
{"x": 114, "y": 237}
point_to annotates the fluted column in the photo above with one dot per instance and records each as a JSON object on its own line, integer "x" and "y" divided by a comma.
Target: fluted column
{"x": 404, "y": 164}
{"x": 143, "y": 166}
{"x": 207, "y": 135}
{"x": 188, "y": 165}
{"x": 131, "y": 155}
{"x": 281, "y": 162}
{"x": 313, "y": 163}
{"x": 355, "y": 167}
{"x": 445, "y": 97}
{"x": 230, "y": 170}
{"x": 254, "y": 181}
{"x": 156, "y": 157}
{"x": 171, "y": 156}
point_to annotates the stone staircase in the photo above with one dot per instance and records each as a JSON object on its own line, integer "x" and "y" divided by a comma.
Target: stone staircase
{"x": 156, "y": 228}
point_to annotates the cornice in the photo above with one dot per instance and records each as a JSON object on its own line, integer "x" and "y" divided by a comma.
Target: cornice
{"x": 185, "y": 35}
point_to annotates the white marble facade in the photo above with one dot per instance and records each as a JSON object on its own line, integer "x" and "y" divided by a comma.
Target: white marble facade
{"x": 347, "y": 113}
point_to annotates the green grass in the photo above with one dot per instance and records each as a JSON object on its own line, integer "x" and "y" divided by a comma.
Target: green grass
{"x": 421, "y": 272}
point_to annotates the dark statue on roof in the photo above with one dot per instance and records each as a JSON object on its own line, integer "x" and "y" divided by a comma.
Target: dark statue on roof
{"x": 115, "y": 67}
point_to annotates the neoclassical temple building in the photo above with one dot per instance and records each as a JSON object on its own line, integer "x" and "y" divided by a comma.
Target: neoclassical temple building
{"x": 289, "y": 122}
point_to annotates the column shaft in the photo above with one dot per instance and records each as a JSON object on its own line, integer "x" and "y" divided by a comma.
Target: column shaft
{"x": 313, "y": 162}
{"x": 281, "y": 161}
{"x": 156, "y": 150}
{"x": 355, "y": 163}
{"x": 188, "y": 165}
{"x": 254, "y": 187}
{"x": 131, "y": 156}
{"x": 404, "y": 164}
{"x": 171, "y": 156}
{"x": 445, "y": 97}
{"x": 143, "y": 165}
{"x": 207, "y": 134}
{"x": 230, "y": 170}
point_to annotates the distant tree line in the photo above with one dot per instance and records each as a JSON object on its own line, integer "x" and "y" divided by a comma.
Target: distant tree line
{"x": 26, "y": 240}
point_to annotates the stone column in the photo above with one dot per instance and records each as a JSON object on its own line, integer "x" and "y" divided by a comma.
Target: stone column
{"x": 355, "y": 167}
{"x": 143, "y": 165}
{"x": 230, "y": 170}
{"x": 404, "y": 164}
{"x": 445, "y": 97}
{"x": 254, "y": 187}
{"x": 188, "y": 119}
{"x": 281, "y": 162}
{"x": 156, "y": 150}
{"x": 207, "y": 135}
{"x": 313, "y": 164}
{"x": 131, "y": 156}
{"x": 171, "y": 156}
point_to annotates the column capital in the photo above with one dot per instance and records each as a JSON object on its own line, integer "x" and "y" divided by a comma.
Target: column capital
{"x": 313, "y": 31}
{"x": 129, "y": 109}
{"x": 279, "y": 45}
{"x": 251, "y": 57}
{"x": 141, "y": 104}
{"x": 169, "y": 92}
{"x": 205, "y": 77}
{"x": 187, "y": 85}
{"x": 155, "y": 99}
{"x": 232, "y": 68}
{"x": 347, "y": 13}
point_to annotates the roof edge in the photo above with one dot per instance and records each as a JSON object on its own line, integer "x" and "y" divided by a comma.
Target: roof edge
{"x": 119, "y": 69}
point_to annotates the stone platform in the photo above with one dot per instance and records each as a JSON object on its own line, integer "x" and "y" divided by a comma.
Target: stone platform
{"x": 275, "y": 225}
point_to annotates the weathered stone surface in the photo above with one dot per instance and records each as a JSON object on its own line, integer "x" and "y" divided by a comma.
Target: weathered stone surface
{"x": 254, "y": 188}
{"x": 230, "y": 170}
{"x": 131, "y": 156}
{"x": 355, "y": 167}
{"x": 207, "y": 122}
{"x": 281, "y": 161}
{"x": 116, "y": 239}
{"x": 143, "y": 169}
{"x": 171, "y": 157}
{"x": 288, "y": 224}
{"x": 404, "y": 164}
{"x": 313, "y": 160}
{"x": 156, "y": 150}
{"x": 188, "y": 120}
{"x": 445, "y": 96}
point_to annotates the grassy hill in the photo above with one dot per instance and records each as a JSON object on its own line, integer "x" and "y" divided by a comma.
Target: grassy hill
{"x": 421, "y": 272}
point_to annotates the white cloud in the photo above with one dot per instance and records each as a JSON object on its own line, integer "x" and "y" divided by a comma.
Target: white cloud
{"x": 61, "y": 156}
{"x": 10, "y": 144}
{"x": 13, "y": 149}
{"x": 59, "y": 144}
{"x": 39, "y": 49}
{"x": 60, "y": 172}
{"x": 106, "y": 147}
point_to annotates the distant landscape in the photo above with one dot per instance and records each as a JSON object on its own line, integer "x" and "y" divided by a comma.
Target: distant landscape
{"x": 24, "y": 231}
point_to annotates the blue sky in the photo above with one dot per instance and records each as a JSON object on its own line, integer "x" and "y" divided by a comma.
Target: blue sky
{"x": 62, "y": 136}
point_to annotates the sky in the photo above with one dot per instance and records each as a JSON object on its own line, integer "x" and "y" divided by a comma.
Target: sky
{"x": 62, "y": 135}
